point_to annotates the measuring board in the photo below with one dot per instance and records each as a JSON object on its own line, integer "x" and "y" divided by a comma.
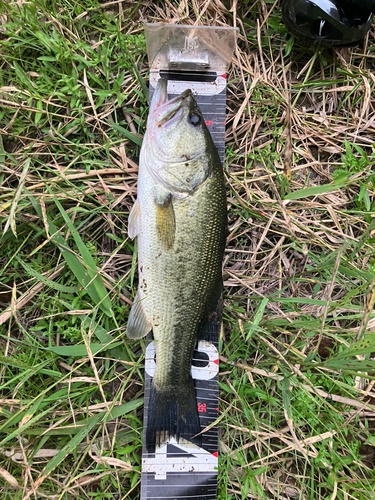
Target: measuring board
{"x": 196, "y": 58}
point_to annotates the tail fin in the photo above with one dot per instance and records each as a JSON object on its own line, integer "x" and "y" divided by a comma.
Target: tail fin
{"x": 172, "y": 413}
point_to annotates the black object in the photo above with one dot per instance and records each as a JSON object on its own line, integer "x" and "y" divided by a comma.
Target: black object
{"x": 331, "y": 23}
{"x": 186, "y": 76}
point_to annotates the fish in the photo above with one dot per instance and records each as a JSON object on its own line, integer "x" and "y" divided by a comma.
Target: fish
{"x": 180, "y": 221}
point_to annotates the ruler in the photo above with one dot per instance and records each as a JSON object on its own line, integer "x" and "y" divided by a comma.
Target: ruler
{"x": 178, "y": 470}
{"x": 197, "y": 58}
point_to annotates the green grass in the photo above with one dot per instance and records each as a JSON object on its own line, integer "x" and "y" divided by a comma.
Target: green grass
{"x": 297, "y": 371}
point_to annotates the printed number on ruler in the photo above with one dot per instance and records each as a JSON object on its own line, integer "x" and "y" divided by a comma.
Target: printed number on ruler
{"x": 198, "y": 373}
{"x": 190, "y": 458}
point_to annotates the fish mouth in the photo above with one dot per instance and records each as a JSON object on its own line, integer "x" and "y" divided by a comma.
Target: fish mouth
{"x": 168, "y": 112}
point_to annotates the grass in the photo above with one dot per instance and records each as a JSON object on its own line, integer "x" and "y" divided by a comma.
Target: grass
{"x": 296, "y": 372}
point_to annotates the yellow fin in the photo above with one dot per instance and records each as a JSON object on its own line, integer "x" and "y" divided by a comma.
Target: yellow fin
{"x": 165, "y": 223}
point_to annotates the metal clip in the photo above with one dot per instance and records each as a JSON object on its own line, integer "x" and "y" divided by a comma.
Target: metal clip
{"x": 188, "y": 58}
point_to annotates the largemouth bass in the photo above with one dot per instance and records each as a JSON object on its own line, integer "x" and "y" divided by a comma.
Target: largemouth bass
{"x": 180, "y": 221}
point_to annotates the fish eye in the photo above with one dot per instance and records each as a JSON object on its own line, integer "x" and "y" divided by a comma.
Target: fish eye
{"x": 194, "y": 119}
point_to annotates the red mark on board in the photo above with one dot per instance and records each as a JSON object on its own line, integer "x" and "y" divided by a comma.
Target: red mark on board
{"x": 224, "y": 75}
{"x": 209, "y": 122}
{"x": 216, "y": 361}
{"x": 223, "y": 123}
{"x": 217, "y": 409}
{"x": 202, "y": 407}
{"x": 216, "y": 454}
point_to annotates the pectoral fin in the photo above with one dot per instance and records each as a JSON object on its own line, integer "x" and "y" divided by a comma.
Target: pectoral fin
{"x": 138, "y": 326}
{"x": 165, "y": 223}
{"x": 134, "y": 220}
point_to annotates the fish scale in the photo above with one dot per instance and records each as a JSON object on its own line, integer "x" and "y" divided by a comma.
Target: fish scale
{"x": 182, "y": 311}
